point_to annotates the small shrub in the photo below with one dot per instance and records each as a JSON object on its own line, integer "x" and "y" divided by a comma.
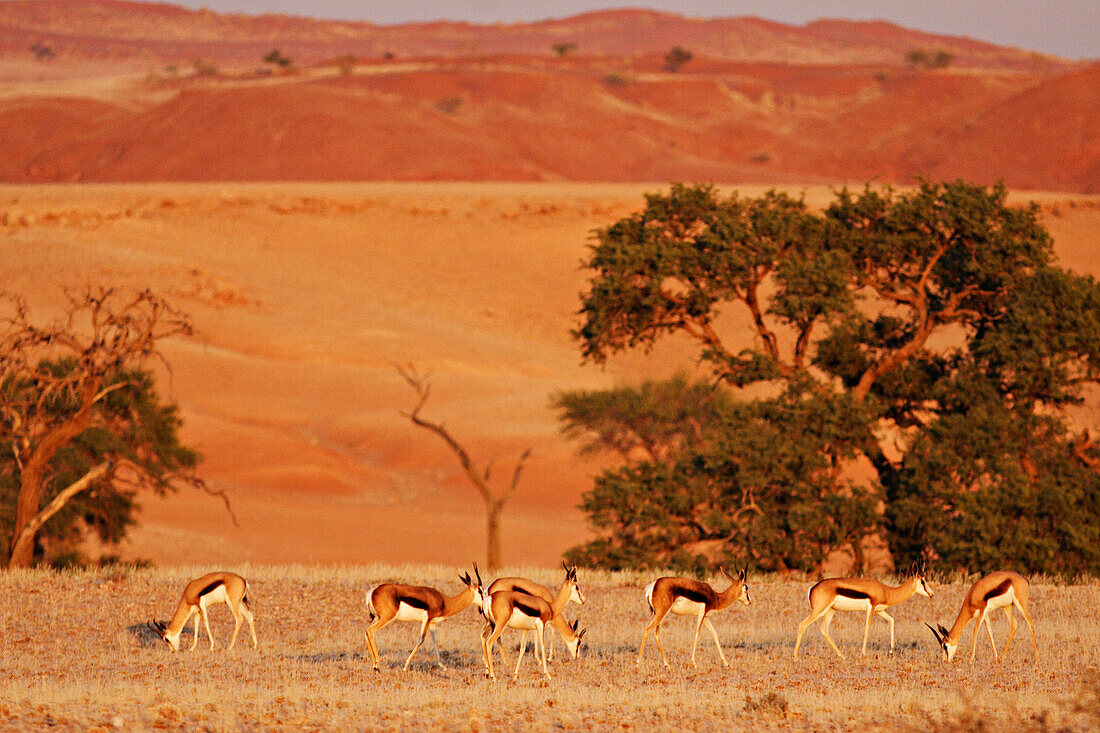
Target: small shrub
{"x": 615, "y": 80}
{"x": 449, "y": 105}
{"x": 203, "y": 67}
{"x": 920, "y": 58}
{"x": 564, "y": 49}
{"x": 770, "y": 703}
{"x": 346, "y": 64}
{"x": 676, "y": 58}
{"x": 278, "y": 58}
{"x": 42, "y": 52}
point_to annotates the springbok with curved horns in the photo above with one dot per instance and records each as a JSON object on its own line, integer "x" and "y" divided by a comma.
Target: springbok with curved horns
{"x": 857, "y": 594}
{"x": 570, "y": 592}
{"x": 515, "y": 610}
{"x": 1003, "y": 589}
{"x": 687, "y": 597}
{"x": 218, "y": 587}
{"x": 427, "y": 606}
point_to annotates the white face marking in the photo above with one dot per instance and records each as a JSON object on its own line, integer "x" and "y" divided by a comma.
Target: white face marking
{"x": 575, "y": 596}
{"x": 745, "y": 595}
{"x": 949, "y": 650}
{"x": 922, "y": 588}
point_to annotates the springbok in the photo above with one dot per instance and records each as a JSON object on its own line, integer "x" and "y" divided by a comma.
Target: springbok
{"x": 857, "y": 594}
{"x": 569, "y": 592}
{"x": 516, "y": 610}
{"x": 686, "y": 597}
{"x": 426, "y": 606}
{"x": 218, "y": 587}
{"x": 1002, "y": 589}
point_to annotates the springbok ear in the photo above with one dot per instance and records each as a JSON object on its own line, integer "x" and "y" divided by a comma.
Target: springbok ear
{"x": 465, "y": 578}
{"x": 943, "y": 632}
{"x": 581, "y": 633}
{"x": 478, "y": 574}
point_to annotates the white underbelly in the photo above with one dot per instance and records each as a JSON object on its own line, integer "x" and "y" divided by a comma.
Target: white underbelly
{"x": 842, "y": 603}
{"x": 405, "y": 612}
{"x": 520, "y": 620}
{"x": 683, "y": 607}
{"x": 218, "y": 595}
{"x": 1002, "y": 600}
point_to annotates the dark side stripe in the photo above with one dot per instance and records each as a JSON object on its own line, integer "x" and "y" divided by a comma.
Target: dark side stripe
{"x": 1000, "y": 590}
{"x": 852, "y": 593}
{"x": 526, "y": 609}
{"x": 414, "y": 602}
{"x": 211, "y": 588}
{"x": 692, "y": 595}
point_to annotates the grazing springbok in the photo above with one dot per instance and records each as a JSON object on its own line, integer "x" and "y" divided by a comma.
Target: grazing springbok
{"x": 515, "y": 610}
{"x": 570, "y": 592}
{"x": 857, "y": 594}
{"x": 220, "y": 587}
{"x": 686, "y": 597}
{"x": 426, "y": 606}
{"x": 1002, "y": 589}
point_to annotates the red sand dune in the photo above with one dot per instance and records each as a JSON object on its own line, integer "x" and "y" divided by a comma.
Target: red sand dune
{"x": 830, "y": 101}
{"x": 306, "y": 294}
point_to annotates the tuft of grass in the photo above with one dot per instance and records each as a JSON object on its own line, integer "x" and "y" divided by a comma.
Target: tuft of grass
{"x": 770, "y": 703}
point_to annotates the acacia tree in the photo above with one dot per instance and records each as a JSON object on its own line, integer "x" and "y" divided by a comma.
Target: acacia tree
{"x": 870, "y": 318}
{"x": 81, "y": 419}
{"x": 480, "y": 477}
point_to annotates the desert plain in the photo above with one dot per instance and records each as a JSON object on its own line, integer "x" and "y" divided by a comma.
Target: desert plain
{"x": 85, "y": 660}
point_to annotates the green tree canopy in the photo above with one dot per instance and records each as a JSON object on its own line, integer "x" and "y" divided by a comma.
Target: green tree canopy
{"x": 880, "y": 320}
{"x": 83, "y": 422}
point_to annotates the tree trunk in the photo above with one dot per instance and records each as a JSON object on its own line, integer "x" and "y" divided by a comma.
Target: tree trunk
{"x": 22, "y": 553}
{"x": 26, "y": 508}
{"x": 33, "y": 475}
{"x": 492, "y": 534}
{"x": 859, "y": 562}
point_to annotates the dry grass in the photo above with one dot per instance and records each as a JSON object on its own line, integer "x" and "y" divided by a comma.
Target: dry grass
{"x": 77, "y": 655}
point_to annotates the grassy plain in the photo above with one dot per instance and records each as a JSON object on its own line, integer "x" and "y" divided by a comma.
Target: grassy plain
{"x": 78, "y": 656}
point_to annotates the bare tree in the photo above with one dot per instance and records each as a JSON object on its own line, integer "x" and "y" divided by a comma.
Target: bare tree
{"x": 57, "y": 382}
{"x": 479, "y": 477}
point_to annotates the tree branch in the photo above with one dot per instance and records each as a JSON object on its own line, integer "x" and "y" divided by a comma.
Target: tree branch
{"x": 26, "y": 534}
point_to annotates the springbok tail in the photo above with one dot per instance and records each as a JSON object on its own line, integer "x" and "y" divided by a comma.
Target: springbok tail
{"x": 649, "y": 595}
{"x": 370, "y": 604}
{"x": 244, "y": 599}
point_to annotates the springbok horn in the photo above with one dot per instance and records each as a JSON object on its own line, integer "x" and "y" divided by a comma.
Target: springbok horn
{"x": 478, "y": 574}
{"x": 934, "y": 633}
